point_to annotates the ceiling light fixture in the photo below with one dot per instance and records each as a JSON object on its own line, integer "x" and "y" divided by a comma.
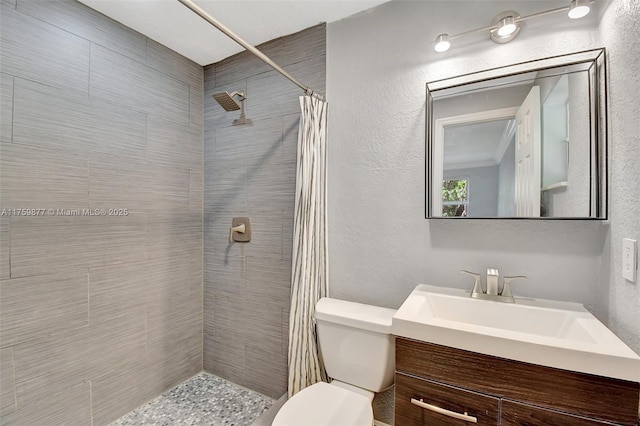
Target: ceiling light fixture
{"x": 579, "y": 9}
{"x": 506, "y": 25}
{"x": 442, "y": 43}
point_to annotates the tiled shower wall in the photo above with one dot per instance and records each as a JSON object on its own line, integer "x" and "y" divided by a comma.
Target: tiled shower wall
{"x": 98, "y": 313}
{"x": 250, "y": 170}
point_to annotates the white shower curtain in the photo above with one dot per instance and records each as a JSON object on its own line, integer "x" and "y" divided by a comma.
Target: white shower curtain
{"x": 309, "y": 281}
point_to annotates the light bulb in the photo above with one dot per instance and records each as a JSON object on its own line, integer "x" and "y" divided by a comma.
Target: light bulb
{"x": 579, "y": 9}
{"x": 442, "y": 43}
{"x": 506, "y": 26}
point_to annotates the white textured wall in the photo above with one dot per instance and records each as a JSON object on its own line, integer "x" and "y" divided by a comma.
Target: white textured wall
{"x": 620, "y": 31}
{"x": 381, "y": 246}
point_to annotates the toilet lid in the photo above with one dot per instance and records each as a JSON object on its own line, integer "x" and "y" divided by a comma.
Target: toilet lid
{"x": 325, "y": 405}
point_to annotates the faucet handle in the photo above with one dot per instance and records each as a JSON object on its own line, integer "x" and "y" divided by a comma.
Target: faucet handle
{"x": 477, "y": 287}
{"x": 506, "y": 287}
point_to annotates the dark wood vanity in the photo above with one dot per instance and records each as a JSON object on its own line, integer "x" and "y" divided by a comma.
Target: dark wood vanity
{"x": 498, "y": 391}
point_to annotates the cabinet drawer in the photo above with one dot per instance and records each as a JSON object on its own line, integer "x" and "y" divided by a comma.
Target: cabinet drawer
{"x": 517, "y": 414}
{"x": 443, "y": 402}
{"x": 552, "y": 388}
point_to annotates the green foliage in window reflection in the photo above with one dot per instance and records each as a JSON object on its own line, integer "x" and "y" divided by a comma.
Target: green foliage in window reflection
{"x": 454, "y": 198}
{"x": 454, "y": 190}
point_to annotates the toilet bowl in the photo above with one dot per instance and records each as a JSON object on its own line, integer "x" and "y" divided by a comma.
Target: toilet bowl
{"x": 325, "y": 404}
{"x": 358, "y": 352}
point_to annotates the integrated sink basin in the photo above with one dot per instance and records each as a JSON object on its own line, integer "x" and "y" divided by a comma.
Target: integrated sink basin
{"x": 555, "y": 334}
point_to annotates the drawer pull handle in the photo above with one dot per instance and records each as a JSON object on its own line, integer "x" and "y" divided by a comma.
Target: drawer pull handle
{"x": 466, "y": 417}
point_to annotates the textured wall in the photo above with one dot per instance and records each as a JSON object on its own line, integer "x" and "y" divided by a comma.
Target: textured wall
{"x": 98, "y": 314}
{"x": 620, "y": 33}
{"x": 380, "y": 244}
{"x": 250, "y": 171}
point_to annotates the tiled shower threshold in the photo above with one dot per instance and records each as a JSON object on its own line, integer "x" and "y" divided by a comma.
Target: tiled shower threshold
{"x": 204, "y": 399}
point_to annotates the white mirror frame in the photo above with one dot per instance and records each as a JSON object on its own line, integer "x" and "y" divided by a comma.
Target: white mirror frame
{"x": 435, "y": 130}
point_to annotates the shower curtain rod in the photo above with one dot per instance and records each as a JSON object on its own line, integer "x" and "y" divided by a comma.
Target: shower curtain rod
{"x": 210, "y": 19}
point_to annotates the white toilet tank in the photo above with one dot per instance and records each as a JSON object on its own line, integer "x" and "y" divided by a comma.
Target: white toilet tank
{"x": 356, "y": 343}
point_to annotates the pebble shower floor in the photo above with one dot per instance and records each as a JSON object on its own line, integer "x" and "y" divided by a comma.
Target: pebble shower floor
{"x": 204, "y": 399}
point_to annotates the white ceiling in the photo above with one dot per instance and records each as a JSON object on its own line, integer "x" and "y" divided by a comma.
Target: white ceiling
{"x": 476, "y": 144}
{"x": 175, "y": 26}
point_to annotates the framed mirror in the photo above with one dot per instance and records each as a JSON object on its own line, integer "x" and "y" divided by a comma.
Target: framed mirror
{"x": 522, "y": 141}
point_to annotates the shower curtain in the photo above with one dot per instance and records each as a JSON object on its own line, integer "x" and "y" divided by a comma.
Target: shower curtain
{"x": 309, "y": 280}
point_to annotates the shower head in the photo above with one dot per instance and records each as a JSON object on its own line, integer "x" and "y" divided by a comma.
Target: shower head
{"x": 226, "y": 101}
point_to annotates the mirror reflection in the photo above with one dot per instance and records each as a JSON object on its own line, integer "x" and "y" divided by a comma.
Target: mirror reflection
{"x": 523, "y": 145}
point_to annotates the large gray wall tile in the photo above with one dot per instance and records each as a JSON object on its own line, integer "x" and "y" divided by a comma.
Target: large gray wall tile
{"x": 171, "y": 63}
{"x": 266, "y": 371}
{"x": 46, "y": 304}
{"x": 7, "y": 380}
{"x": 49, "y": 244}
{"x": 263, "y": 324}
{"x": 269, "y": 281}
{"x": 42, "y": 178}
{"x": 169, "y": 282}
{"x": 35, "y": 50}
{"x": 272, "y": 188}
{"x": 309, "y": 43}
{"x": 312, "y": 71}
{"x": 224, "y": 356}
{"x": 175, "y": 235}
{"x": 6, "y": 107}
{"x": 48, "y": 117}
{"x": 118, "y": 290}
{"x": 117, "y": 182}
{"x": 122, "y": 391}
{"x": 174, "y": 144}
{"x": 119, "y": 79}
{"x": 253, "y": 147}
{"x": 168, "y": 189}
{"x": 245, "y": 64}
{"x": 49, "y": 365}
{"x": 56, "y": 244}
{"x": 266, "y": 237}
{"x": 225, "y": 189}
{"x": 87, "y": 23}
{"x": 175, "y": 327}
{"x": 272, "y": 95}
{"x": 69, "y": 407}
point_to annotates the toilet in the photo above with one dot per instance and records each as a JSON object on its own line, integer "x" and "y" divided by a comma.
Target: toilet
{"x": 359, "y": 355}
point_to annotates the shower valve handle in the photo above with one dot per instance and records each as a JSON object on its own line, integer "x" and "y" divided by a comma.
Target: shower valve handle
{"x": 240, "y": 229}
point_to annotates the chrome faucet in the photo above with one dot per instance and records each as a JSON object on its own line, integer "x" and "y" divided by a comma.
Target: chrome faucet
{"x": 493, "y": 292}
{"x": 492, "y": 281}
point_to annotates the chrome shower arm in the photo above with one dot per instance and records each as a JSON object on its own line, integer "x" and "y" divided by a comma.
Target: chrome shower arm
{"x": 210, "y": 19}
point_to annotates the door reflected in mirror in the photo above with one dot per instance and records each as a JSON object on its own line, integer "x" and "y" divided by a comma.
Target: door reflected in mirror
{"x": 527, "y": 143}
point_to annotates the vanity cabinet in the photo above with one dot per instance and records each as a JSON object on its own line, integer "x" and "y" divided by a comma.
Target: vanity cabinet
{"x": 498, "y": 391}
{"x": 447, "y": 401}
{"x": 518, "y": 414}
